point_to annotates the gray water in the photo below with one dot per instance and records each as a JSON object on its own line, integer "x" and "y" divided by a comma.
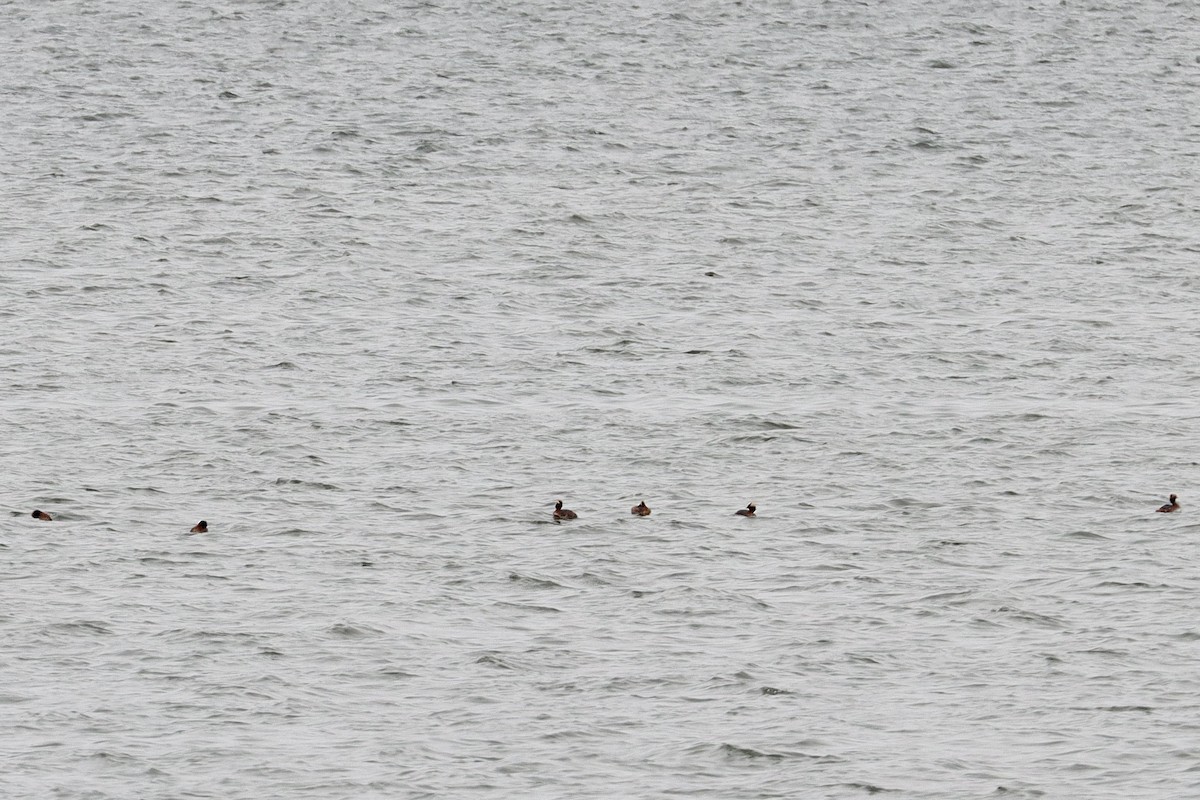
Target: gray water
{"x": 368, "y": 286}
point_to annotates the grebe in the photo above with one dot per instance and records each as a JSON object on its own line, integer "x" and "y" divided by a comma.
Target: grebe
{"x": 640, "y": 510}
{"x": 563, "y": 513}
{"x": 200, "y": 527}
{"x": 748, "y": 511}
{"x": 42, "y": 515}
{"x": 1169, "y": 507}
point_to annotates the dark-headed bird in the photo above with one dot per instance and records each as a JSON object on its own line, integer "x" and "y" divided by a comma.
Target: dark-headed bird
{"x": 1169, "y": 507}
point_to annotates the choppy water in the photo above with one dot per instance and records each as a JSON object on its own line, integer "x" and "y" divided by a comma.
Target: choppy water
{"x": 369, "y": 285}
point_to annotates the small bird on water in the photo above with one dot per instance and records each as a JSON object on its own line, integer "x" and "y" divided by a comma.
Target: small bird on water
{"x": 748, "y": 511}
{"x": 563, "y": 513}
{"x": 200, "y": 527}
{"x": 1169, "y": 507}
{"x": 42, "y": 515}
{"x": 640, "y": 510}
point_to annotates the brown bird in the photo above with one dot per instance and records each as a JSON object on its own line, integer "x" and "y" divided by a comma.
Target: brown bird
{"x": 563, "y": 513}
{"x": 748, "y": 511}
{"x": 200, "y": 527}
{"x": 640, "y": 510}
{"x": 1169, "y": 507}
{"x": 42, "y": 515}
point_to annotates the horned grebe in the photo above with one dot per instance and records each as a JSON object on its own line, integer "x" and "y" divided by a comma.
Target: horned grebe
{"x": 563, "y": 513}
{"x": 1169, "y": 507}
{"x": 748, "y": 511}
{"x": 42, "y": 515}
{"x": 640, "y": 510}
{"x": 200, "y": 527}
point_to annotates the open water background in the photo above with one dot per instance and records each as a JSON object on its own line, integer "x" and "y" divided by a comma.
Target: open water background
{"x": 369, "y": 285}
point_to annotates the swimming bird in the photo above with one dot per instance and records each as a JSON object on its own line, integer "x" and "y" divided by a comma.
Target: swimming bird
{"x": 563, "y": 513}
{"x": 42, "y": 515}
{"x": 641, "y": 509}
{"x": 1169, "y": 507}
{"x": 200, "y": 527}
{"x": 748, "y": 511}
